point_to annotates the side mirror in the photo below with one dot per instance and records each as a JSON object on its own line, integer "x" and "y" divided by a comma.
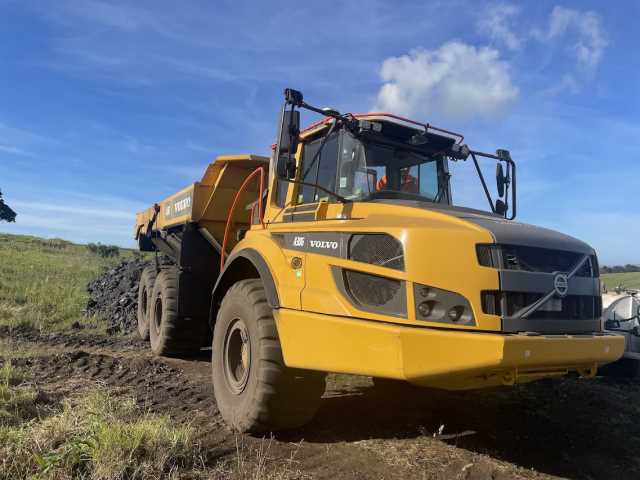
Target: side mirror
{"x": 288, "y": 143}
{"x": 501, "y": 207}
{"x": 286, "y": 166}
{"x": 501, "y": 180}
{"x": 290, "y": 131}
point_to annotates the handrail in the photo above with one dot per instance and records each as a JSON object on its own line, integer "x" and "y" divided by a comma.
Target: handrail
{"x": 259, "y": 170}
{"x": 426, "y": 126}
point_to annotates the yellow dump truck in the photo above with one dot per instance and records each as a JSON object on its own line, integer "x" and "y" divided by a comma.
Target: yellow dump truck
{"x": 343, "y": 252}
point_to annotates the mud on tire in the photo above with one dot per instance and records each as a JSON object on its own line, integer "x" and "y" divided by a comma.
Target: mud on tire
{"x": 254, "y": 390}
{"x": 145, "y": 292}
{"x": 171, "y": 335}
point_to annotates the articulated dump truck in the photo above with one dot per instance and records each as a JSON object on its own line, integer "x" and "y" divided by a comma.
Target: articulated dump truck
{"x": 343, "y": 252}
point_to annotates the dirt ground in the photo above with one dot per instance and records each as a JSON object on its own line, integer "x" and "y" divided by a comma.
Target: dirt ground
{"x": 570, "y": 427}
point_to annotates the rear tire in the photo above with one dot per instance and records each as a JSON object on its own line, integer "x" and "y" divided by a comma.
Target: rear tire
{"x": 254, "y": 390}
{"x": 170, "y": 334}
{"x": 145, "y": 292}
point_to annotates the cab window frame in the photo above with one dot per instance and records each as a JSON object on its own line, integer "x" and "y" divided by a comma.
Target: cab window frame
{"x": 307, "y": 194}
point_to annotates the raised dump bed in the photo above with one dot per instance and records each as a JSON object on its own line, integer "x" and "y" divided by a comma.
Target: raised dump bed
{"x": 205, "y": 203}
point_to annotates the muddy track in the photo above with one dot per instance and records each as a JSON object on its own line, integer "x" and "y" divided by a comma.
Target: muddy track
{"x": 570, "y": 427}
{"x": 180, "y": 388}
{"x": 80, "y": 340}
{"x": 153, "y": 384}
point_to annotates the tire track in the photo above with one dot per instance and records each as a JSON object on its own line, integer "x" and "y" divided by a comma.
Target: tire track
{"x": 152, "y": 383}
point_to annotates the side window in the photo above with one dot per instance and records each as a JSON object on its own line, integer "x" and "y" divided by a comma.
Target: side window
{"x": 429, "y": 179}
{"x": 281, "y": 193}
{"x": 322, "y": 171}
{"x": 327, "y": 171}
{"x": 309, "y": 171}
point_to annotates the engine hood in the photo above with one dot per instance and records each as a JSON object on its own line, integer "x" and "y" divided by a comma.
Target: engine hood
{"x": 505, "y": 231}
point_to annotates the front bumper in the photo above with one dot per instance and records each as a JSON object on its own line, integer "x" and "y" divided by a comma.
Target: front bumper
{"x": 440, "y": 358}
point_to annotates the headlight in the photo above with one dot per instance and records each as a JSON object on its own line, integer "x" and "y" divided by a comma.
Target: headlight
{"x": 437, "y": 305}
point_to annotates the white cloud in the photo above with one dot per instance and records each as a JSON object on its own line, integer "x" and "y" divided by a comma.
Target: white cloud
{"x": 584, "y": 28}
{"x": 456, "y": 80}
{"x": 13, "y": 150}
{"x": 496, "y": 22}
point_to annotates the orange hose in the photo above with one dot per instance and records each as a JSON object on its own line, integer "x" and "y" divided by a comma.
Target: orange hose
{"x": 259, "y": 170}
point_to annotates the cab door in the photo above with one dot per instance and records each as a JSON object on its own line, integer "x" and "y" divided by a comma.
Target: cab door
{"x": 314, "y": 232}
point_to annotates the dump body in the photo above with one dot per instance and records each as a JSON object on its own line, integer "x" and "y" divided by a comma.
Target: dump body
{"x": 207, "y": 202}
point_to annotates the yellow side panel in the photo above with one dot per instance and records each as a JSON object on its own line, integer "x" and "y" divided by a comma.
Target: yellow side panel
{"x": 440, "y": 251}
{"x": 288, "y": 280}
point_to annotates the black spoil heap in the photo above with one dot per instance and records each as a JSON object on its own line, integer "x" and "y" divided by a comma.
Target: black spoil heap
{"x": 113, "y": 296}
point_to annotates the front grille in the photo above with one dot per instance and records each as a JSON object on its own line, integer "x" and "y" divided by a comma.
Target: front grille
{"x": 574, "y": 307}
{"x": 377, "y": 249}
{"x": 535, "y": 259}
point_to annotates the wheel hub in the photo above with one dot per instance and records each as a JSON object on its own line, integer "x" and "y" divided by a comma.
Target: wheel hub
{"x": 237, "y": 356}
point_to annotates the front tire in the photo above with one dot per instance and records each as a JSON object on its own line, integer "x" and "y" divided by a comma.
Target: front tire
{"x": 254, "y": 390}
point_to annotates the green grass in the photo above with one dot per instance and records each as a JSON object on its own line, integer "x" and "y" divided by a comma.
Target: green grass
{"x": 43, "y": 282}
{"x": 626, "y": 280}
{"x": 98, "y": 436}
{"x": 17, "y": 402}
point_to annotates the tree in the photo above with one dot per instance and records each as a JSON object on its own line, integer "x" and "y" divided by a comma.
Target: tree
{"x": 6, "y": 213}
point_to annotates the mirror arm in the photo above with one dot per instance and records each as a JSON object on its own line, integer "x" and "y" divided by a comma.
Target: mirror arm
{"x": 484, "y": 184}
{"x": 510, "y": 162}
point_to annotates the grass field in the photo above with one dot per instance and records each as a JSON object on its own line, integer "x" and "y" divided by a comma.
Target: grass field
{"x": 626, "y": 280}
{"x": 43, "y": 282}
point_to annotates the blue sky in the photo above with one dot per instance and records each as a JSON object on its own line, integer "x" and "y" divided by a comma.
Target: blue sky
{"x": 106, "y": 107}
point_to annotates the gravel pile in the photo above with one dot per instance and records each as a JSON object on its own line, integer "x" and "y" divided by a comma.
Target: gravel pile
{"x": 113, "y": 296}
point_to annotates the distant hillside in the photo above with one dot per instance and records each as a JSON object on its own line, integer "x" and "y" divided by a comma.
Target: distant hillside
{"x": 43, "y": 282}
{"x": 627, "y": 280}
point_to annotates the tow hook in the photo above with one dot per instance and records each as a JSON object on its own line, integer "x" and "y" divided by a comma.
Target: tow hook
{"x": 588, "y": 372}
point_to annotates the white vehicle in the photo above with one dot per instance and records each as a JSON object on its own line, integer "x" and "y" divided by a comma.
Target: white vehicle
{"x": 621, "y": 315}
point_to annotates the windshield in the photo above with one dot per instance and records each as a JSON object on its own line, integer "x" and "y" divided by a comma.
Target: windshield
{"x": 370, "y": 170}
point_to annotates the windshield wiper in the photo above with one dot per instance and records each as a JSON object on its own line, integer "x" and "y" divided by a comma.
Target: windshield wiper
{"x": 317, "y": 154}
{"x": 315, "y": 158}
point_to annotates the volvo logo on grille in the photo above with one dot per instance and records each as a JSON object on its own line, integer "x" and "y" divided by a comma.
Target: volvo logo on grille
{"x": 561, "y": 284}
